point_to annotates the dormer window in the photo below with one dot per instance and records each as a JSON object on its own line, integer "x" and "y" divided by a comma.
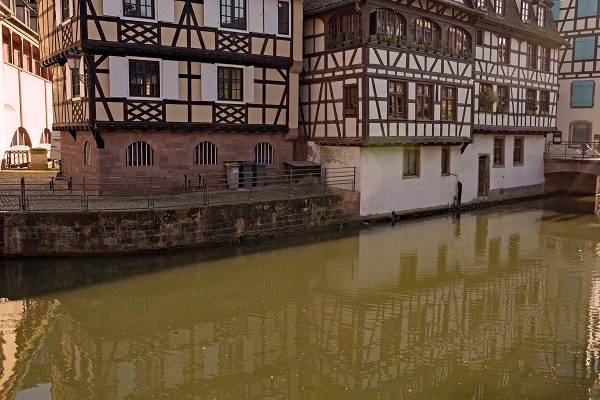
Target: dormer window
{"x": 525, "y": 5}
{"x": 541, "y": 17}
{"x": 481, "y": 4}
{"x": 138, "y": 8}
{"x": 499, "y": 7}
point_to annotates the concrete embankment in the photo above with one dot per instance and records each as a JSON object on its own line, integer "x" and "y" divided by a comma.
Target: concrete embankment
{"x": 114, "y": 232}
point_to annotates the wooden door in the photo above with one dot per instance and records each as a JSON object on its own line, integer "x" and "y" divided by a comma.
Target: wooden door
{"x": 483, "y": 181}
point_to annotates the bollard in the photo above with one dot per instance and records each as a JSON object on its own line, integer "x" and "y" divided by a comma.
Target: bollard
{"x": 23, "y": 202}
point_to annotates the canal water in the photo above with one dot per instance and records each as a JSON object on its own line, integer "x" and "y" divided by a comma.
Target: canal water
{"x": 502, "y": 303}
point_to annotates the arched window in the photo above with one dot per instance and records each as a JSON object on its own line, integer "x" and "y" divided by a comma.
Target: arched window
{"x": 388, "y": 25}
{"x": 139, "y": 154}
{"x": 425, "y": 31}
{"x": 46, "y": 137}
{"x": 459, "y": 41}
{"x": 87, "y": 154}
{"x": 343, "y": 28}
{"x": 205, "y": 153}
{"x": 263, "y": 153}
{"x": 21, "y": 138}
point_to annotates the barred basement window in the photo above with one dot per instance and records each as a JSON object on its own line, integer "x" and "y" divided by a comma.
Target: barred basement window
{"x": 139, "y": 154}
{"x": 138, "y": 8}
{"x": 233, "y": 14}
{"x": 263, "y": 153}
{"x": 87, "y": 154}
{"x": 448, "y": 103}
{"x": 397, "y": 100}
{"x": 144, "y": 78}
{"x": 205, "y": 153}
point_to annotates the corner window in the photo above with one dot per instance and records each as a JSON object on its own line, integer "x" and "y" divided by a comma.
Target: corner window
{"x": 411, "y": 161}
{"x": 144, "y": 78}
{"x": 503, "y": 50}
{"x": 424, "y": 101}
{"x": 582, "y": 94}
{"x": 205, "y": 153}
{"x": 518, "y": 151}
{"x": 587, "y": 8}
{"x": 230, "y": 83}
{"x": 445, "y": 160}
{"x": 139, "y": 154}
{"x": 351, "y": 100}
{"x": 283, "y": 18}
{"x": 397, "y": 100}
{"x": 448, "y": 103}
{"x": 498, "y": 152}
{"x": 585, "y": 48}
{"x": 343, "y": 29}
{"x": 532, "y": 55}
{"x": 544, "y": 102}
{"x": 530, "y": 101}
{"x": 138, "y": 8}
{"x": 387, "y": 26}
{"x": 233, "y": 14}
{"x": 263, "y": 153}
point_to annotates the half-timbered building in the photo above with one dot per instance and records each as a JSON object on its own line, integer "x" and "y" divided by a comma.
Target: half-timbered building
{"x": 172, "y": 87}
{"x": 409, "y": 93}
{"x": 579, "y": 111}
{"x": 25, "y": 87}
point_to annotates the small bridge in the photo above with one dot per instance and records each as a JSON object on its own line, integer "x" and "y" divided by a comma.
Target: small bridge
{"x": 572, "y": 167}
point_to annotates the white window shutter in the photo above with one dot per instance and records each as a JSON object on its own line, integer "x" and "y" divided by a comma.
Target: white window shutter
{"x": 211, "y": 13}
{"x": 112, "y": 7}
{"x": 57, "y": 14}
{"x": 170, "y": 80}
{"x": 166, "y": 10}
{"x": 249, "y": 84}
{"x": 255, "y": 16}
{"x": 271, "y": 17}
{"x": 209, "y": 82}
{"x": 118, "y": 76}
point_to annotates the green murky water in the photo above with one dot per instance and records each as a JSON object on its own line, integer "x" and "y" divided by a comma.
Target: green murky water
{"x": 500, "y": 304}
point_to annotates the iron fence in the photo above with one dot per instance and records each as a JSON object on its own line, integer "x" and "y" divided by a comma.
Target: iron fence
{"x": 577, "y": 151}
{"x": 138, "y": 193}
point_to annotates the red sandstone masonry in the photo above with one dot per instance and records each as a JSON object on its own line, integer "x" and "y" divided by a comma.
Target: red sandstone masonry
{"x": 87, "y": 233}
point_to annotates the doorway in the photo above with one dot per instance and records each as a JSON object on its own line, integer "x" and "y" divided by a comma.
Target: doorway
{"x": 483, "y": 181}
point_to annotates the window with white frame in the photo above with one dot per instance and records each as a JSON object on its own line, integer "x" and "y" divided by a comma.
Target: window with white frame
{"x": 233, "y": 14}
{"x": 283, "y": 17}
{"x": 205, "y": 153}
{"x": 263, "y": 153}
{"x": 139, "y": 154}
{"x": 87, "y": 154}
{"x": 138, "y": 8}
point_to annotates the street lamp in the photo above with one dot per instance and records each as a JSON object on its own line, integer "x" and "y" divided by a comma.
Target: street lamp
{"x": 74, "y": 61}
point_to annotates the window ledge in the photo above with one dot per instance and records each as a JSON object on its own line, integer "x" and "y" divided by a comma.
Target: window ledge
{"x": 410, "y": 176}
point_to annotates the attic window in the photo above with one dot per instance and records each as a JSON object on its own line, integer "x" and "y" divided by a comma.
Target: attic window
{"x": 481, "y": 4}
{"x": 541, "y": 17}
{"x": 499, "y": 7}
{"x": 525, "y": 10}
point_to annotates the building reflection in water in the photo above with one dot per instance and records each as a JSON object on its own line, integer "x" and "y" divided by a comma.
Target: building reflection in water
{"x": 504, "y": 309}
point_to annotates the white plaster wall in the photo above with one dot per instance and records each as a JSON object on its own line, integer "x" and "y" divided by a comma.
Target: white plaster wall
{"x": 33, "y": 98}
{"x": 566, "y": 115}
{"x": 2, "y": 99}
{"x": 383, "y": 188}
{"x": 12, "y": 118}
{"x": 333, "y": 157}
{"x": 509, "y": 176}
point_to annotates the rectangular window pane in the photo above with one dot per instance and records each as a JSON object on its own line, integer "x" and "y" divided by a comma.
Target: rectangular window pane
{"x": 283, "y": 15}
{"x": 581, "y": 132}
{"x": 144, "y": 78}
{"x": 230, "y": 83}
{"x": 582, "y": 94}
{"x": 411, "y": 162}
{"x": 585, "y": 47}
{"x": 518, "y": 151}
{"x": 498, "y": 151}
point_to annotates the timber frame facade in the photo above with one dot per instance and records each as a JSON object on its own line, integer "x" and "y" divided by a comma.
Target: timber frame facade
{"x": 186, "y": 49}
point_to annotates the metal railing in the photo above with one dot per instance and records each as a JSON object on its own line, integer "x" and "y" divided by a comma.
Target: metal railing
{"x": 131, "y": 193}
{"x": 573, "y": 151}
{"x": 17, "y": 158}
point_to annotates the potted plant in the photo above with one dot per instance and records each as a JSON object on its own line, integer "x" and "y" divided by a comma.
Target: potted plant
{"x": 487, "y": 99}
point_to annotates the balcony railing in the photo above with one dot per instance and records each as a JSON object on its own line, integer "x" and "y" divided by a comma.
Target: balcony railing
{"x": 573, "y": 151}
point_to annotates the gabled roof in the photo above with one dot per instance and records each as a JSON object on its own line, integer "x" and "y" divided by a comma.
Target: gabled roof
{"x": 312, "y": 6}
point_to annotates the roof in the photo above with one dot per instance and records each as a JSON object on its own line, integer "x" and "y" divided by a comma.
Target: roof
{"x": 312, "y": 6}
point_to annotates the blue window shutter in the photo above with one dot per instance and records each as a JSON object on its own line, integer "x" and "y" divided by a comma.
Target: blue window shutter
{"x": 587, "y": 8}
{"x": 556, "y": 10}
{"x": 582, "y": 94}
{"x": 585, "y": 48}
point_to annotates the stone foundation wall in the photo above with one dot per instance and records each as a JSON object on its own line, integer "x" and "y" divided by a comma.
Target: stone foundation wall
{"x": 89, "y": 233}
{"x": 572, "y": 182}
